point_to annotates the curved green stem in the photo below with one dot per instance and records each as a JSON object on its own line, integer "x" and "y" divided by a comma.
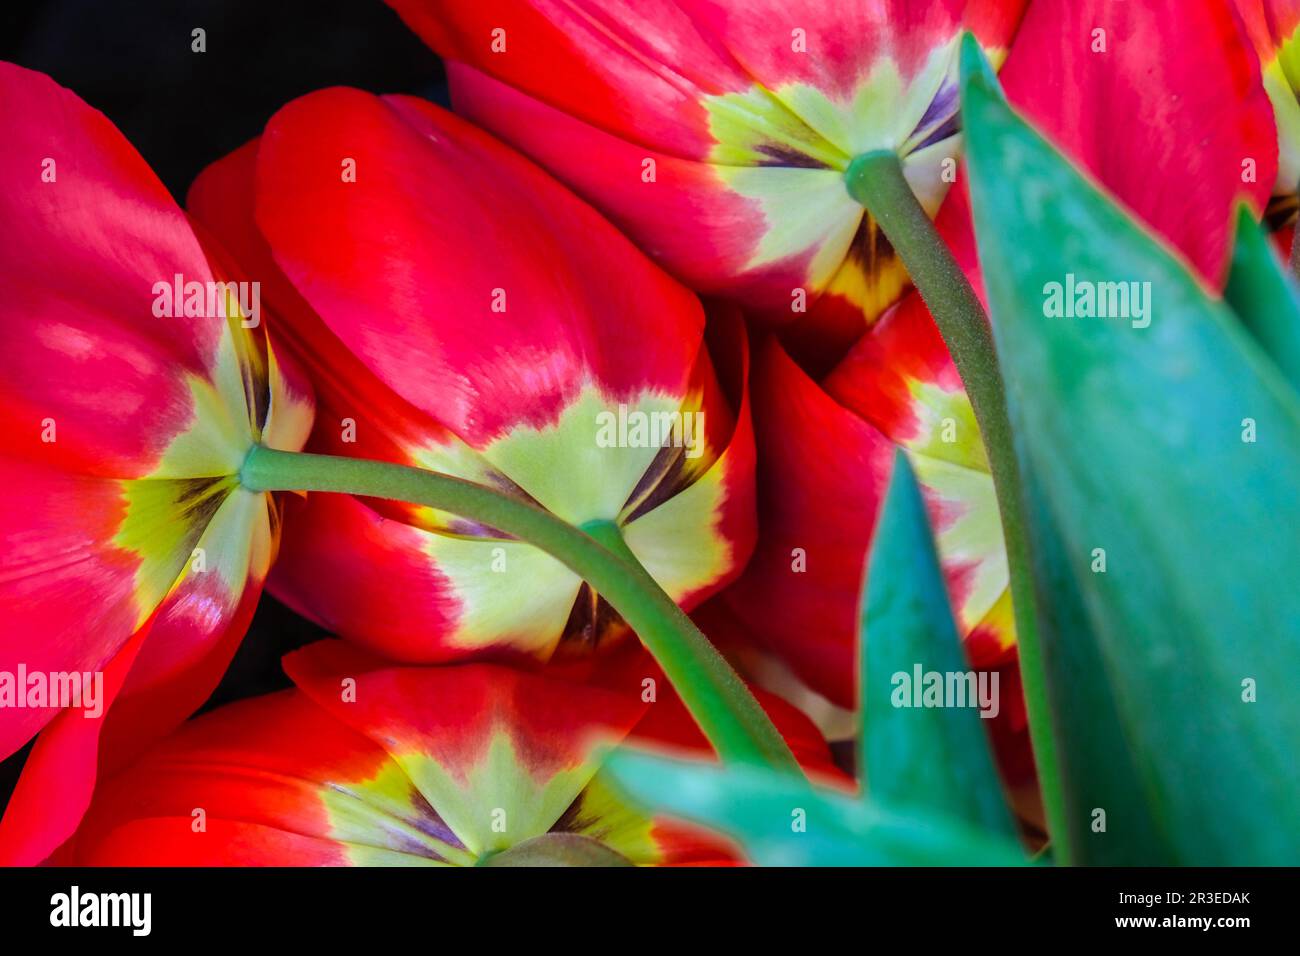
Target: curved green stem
{"x": 1295, "y": 252}
{"x": 714, "y": 694}
{"x": 876, "y": 181}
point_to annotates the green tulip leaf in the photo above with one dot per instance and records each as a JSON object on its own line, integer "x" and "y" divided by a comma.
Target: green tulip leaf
{"x": 1263, "y": 298}
{"x": 931, "y": 758}
{"x": 779, "y": 820}
{"x": 1160, "y": 446}
{"x": 1060, "y": 612}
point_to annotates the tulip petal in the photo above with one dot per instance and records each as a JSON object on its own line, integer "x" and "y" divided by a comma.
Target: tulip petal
{"x": 1272, "y": 26}
{"x": 590, "y": 60}
{"x": 534, "y": 399}
{"x": 62, "y": 576}
{"x": 396, "y": 269}
{"x": 87, "y": 562}
{"x": 649, "y": 193}
{"x": 502, "y": 755}
{"x": 100, "y": 234}
{"x": 59, "y": 774}
{"x": 199, "y": 622}
{"x": 1168, "y": 140}
{"x": 128, "y": 547}
{"x": 667, "y": 726}
{"x": 843, "y": 43}
{"x": 822, "y": 475}
{"x": 414, "y": 595}
{"x": 901, "y": 379}
{"x": 266, "y": 781}
{"x": 367, "y": 764}
{"x": 738, "y": 118}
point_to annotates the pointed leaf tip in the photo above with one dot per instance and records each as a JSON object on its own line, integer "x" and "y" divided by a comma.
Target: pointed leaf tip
{"x": 777, "y": 820}
{"x": 926, "y": 760}
{"x": 1263, "y": 296}
{"x": 976, "y": 71}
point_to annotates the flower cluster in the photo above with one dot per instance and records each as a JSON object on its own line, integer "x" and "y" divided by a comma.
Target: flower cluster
{"x": 687, "y": 388}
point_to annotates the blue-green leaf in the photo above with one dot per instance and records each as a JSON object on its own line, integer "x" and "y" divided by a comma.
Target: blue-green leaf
{"x": 1263, "y": 297}
{"x": 1162, "y": 447}
{"x": 778, "y": 820}
{"x": 934, "y": 759}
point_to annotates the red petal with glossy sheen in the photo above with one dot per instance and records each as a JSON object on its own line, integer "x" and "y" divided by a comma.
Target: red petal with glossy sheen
{"x": 78, "y": 289}
{"x": 844, "y": 40}
{"x": 705, "y": 89}
{"x": 117, "y": 384}
{"x": 592, "y": 59}
{"x": 378, "y": 423}
{"x": 375, "y": 580}
{"x": 365, "y": 577}
{"x": 1164, "y": 118}
{"x": 448, "y": 712}
{"x": 155, "y": 682}
{"x": 192, "y": 640}
{"x": 66, "y": 590}
{"x": 404, "y": 265}
{"x": 332, "y": 769}
{"x": 873, "y": 378}
{"x": 58, "y": 777}
{"x": 311, "y": 777}
{"x": 607, "y": 170}
{"x": 822, "y": 474}
{"x": 255, "y": 768}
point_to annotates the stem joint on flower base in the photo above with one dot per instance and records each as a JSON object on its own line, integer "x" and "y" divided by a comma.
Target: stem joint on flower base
{"x": 727, "y": 713}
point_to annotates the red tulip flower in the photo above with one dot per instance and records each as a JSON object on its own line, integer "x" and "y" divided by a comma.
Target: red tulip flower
{"x": 1172, "y": 152}
{"x": 135, "y": 382}
{"x": 462, "y": 312}
{"x": 716, "y": 133}
{"x": 369, "y": 764}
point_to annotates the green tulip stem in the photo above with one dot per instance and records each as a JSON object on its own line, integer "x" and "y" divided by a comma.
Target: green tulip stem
{"x": 1295, "y": 252}
{"x": 876, "y": 181}
{"x": 727, "y": 713}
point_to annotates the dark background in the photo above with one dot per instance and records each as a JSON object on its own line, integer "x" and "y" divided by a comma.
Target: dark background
{"x": 131, "y": 60}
